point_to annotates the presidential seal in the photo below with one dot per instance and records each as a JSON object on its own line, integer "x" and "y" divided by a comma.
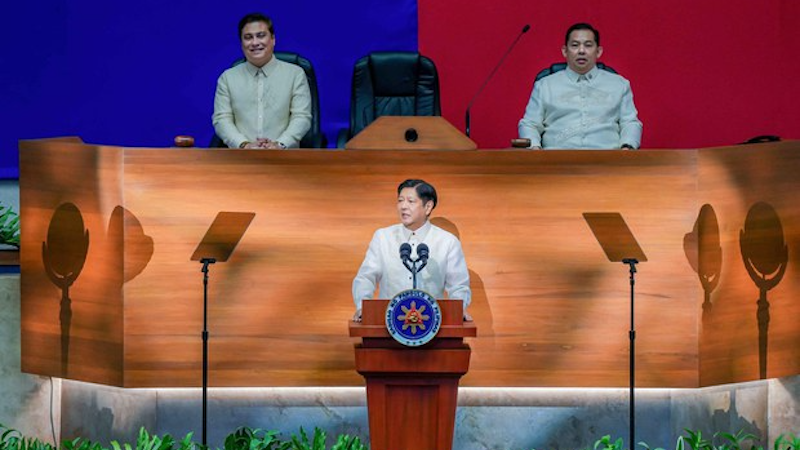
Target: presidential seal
{"x": 413, "y": 317}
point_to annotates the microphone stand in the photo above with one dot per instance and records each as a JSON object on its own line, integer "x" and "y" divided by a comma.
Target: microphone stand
{"x": 632, "y": 337}
{"x": 206, "y": 262}
{"x": 411, "y": 265}
{"x": 500, "y": 63}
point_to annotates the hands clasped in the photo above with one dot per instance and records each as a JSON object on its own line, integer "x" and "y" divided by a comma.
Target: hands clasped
{"x": 264, "y": 143}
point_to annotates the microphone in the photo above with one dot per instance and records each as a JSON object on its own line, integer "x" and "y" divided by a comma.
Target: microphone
{"x": 405, "y": 252}
{"x": 511, "y": 47}
{"x": 422, "y": 254}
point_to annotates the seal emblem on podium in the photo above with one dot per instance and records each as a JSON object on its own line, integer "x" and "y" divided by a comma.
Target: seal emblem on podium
{"x": 413, "y": 317}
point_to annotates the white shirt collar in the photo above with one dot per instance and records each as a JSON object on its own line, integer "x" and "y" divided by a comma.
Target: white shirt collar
{"x": 420, "y": 233}
{"x": 266, "y": 68}
{"x": 590, "y": 75}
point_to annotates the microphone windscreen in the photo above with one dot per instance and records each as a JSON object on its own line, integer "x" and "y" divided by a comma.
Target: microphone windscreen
{"x": 423, "y": 252}
{"x": 405, "y": 251}
{"x": 526, "y": 28}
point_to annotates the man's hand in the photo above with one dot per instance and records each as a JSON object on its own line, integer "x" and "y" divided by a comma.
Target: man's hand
{"x": 269, "y": 144}
{"x": 357, "y": 315}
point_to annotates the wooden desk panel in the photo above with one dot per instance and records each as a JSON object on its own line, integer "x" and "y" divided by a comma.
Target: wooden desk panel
{"x": 550, "y": 309}
{"x": 732, "y": 181}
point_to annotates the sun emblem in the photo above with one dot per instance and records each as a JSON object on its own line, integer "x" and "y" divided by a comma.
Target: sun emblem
{"x": 413, "y": 317}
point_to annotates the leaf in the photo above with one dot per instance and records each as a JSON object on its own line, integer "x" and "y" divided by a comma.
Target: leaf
{"x": 647, "y": 447}
{"x": 604, "y": 441}
{"x": 186, "y": 443}
{"x": 788, "y": 441}
{"x": 696, "y": 441}
{"x": 346, "y": 442}
{"x": 319, "y": 439}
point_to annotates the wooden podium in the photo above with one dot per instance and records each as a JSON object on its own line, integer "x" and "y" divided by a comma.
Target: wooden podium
{"x": 412, "y": 392}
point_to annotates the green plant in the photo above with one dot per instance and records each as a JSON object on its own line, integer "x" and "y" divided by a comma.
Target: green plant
{"x": 734, "y": 441}
{"x": 787, "y": 442}
{"x": 81, "y": 444}
{"x": 9, "y": 226}
{"x": 347, "y": 442}
{"x": 605, "y": 443}
{"x": 696, "y": 441}
{"x": 302, "y": 443}
{"x": 679, "y": 445}
{"x": 146, "y": 441}
{"x": 11, "y": 439}
{"x": 246, "y": 438}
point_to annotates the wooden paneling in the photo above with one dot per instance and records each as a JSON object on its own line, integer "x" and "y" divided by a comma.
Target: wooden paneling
{"x": 733, "y": 182}
{"x": 53, "y": 175}
{"x": 549, "y": 308}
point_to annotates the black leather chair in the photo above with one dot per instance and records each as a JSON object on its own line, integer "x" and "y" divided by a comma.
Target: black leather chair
{"x": 314, "y": 138}
{"x": 558, "y": 67}
{"x": 391, "y": 84}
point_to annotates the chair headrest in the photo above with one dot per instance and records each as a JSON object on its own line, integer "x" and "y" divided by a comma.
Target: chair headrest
{"x": 394, "y": 73}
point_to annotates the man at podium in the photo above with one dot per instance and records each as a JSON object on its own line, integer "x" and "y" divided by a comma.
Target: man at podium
{"x": 446, "y": 269}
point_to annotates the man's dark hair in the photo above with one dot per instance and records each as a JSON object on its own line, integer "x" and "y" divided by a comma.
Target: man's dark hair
{"x": 582, "y": 26}
{"x": 255, "y": 17}
{"x": 424, "y": 190}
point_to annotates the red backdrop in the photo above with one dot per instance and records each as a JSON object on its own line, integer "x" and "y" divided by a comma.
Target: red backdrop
{"x": 704, "y": 73}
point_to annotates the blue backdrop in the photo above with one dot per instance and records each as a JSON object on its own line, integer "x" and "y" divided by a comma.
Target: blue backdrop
{"x": 139, "y": 73}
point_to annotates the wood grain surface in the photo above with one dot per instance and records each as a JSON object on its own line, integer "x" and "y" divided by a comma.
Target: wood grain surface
{"x": 549, "y": 308}
{"x": 410, "y": 133}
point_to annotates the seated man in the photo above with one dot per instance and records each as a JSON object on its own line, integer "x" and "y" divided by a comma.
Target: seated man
{"x": 264, "y": 102}
{"x": 446, "y": 269}
{"x": 581, "y": 107}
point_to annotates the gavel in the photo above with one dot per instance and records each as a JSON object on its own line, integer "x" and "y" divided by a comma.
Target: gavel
{"x": 521, "y": 143}
{"x": 184, "y": 141}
